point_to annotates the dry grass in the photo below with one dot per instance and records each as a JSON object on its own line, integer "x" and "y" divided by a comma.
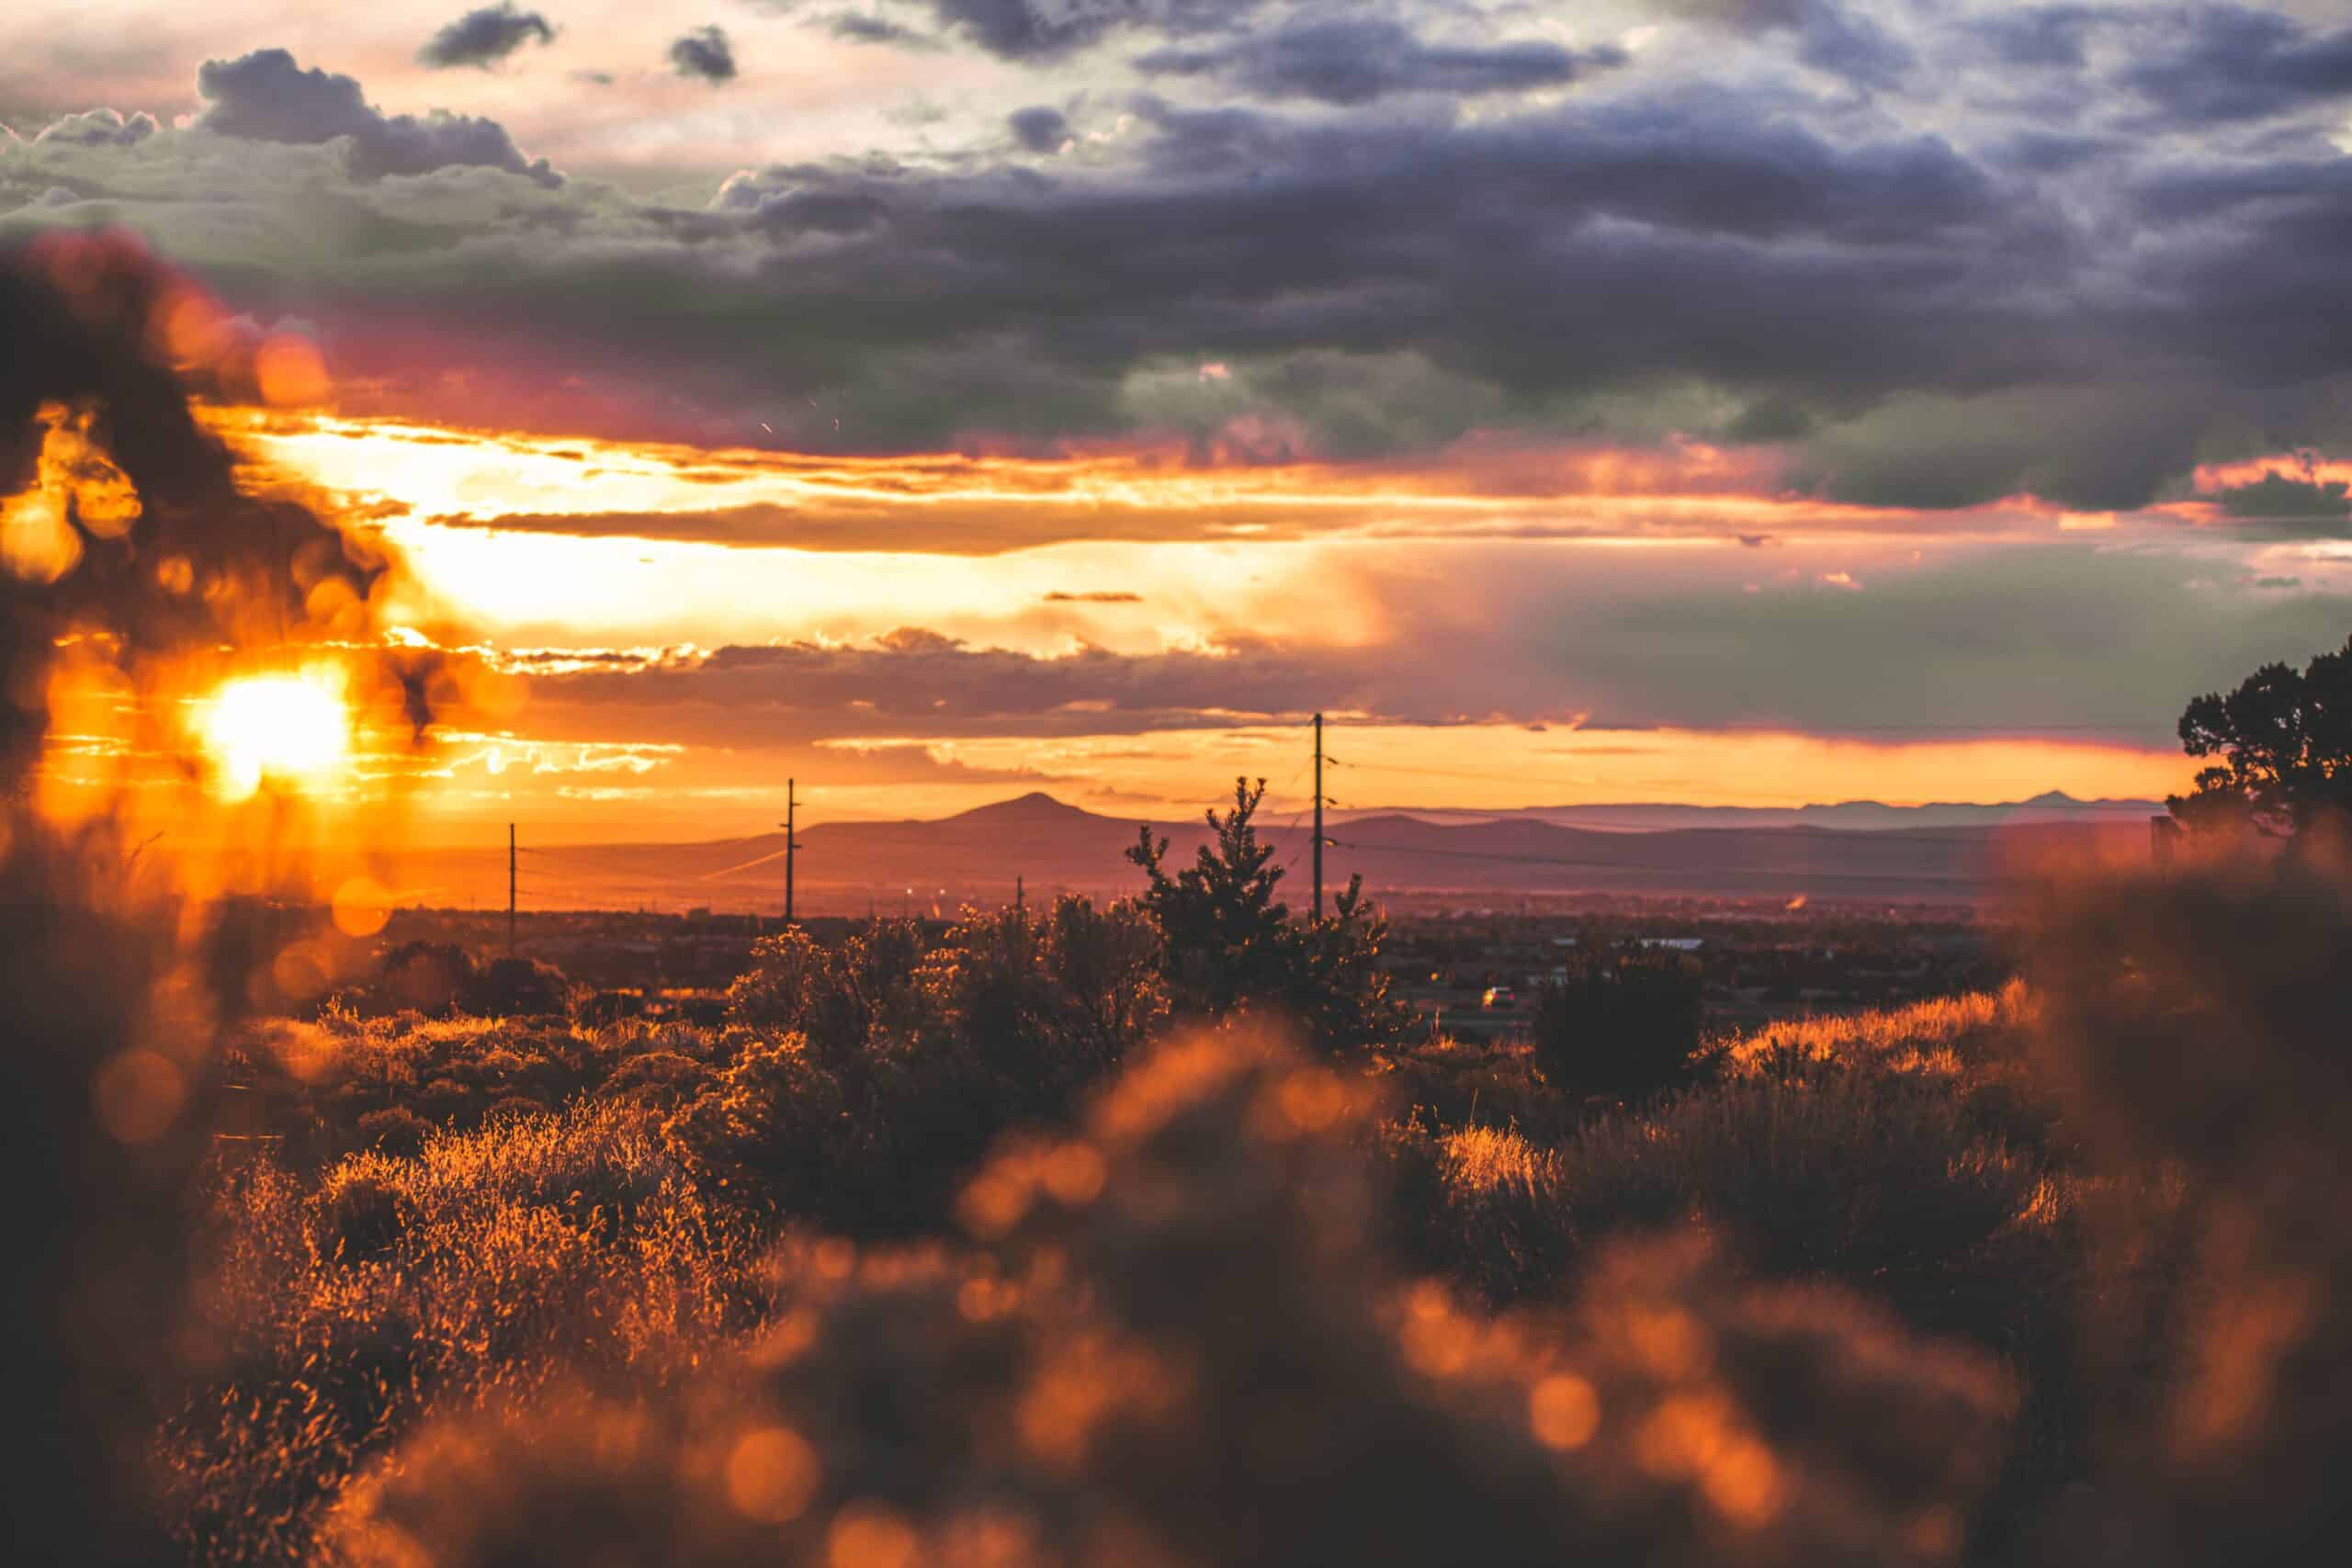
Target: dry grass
{"x": 1944, "y": 1035}
{"x": 1172, "y": 1336}
{"x": 1167, "y": 1342}
{"x": 496, "y": 1261}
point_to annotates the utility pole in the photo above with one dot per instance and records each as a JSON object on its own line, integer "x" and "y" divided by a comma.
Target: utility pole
{"x": 1319, "y": 816}
{"x": 791, "y": 841}
{"x": 510, "y": 890}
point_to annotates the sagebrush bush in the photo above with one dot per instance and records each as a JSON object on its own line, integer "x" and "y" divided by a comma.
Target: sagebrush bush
{"x": 2194, "y": 1024}
{"x": 773, "y": 1126}
{"x": 395, "y": 1130}
{"x": 493, "y": 1264}
{"x": 1172, "y": 1335}
{"x": 863, "y": 1082}
{"x": 657, "y": 1080}
{"x": 1458, "y": 1083}
{"x": 361, "y": 1211}
{"x": 1168, "y": 1342}
{"x": 1980, "y": 1047}
{"x": 1480, "y": 1206}
{"x": 518, "y": 988}
{"x": 1625, "y": 1024}
{"x": 1877, "y": 1181}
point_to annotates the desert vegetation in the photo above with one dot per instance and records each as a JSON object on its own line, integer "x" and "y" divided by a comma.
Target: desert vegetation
{"x": 1012, "y": 1248}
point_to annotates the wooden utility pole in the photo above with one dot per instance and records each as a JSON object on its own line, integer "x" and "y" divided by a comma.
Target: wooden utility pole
{"x": 510, "y": 890}
{"x": 791, "y": 840}
{"x": 1319, "y": 816}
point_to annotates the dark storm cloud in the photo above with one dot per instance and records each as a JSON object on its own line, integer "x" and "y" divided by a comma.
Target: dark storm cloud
{"x": 1049, "y": 30}
{"x": 1751, "y": 15}
{"x": 1828, "y": 36}
{"x": 865, "y": 27}
{"x": 1040, "y": 129}
{"x": 1538, "y": 268}
{"x": 2056, "y": 640}
{"x": 1355, "y": 60}
{"x": 2055, "y": 152}
{"x": 2251, "y": 248}
{"x": 485, "y": 37}
{"x": 2313, "y": 505}
{"x": 917, "y": 683}
{"x": 2093, "y": 448}
{"x": 2064, "y": 640}
{"x": 266, "y": 97}
{"x": 2040, "y": 35}
{"x": 706, "y": 53}
{"x": 2225, "y": 63}
{"x": 1918, "y": 319}
{"x": 1565, "y": 252}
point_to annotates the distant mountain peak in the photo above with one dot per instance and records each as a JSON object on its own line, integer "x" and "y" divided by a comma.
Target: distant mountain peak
{"x": 1035, "y": 806}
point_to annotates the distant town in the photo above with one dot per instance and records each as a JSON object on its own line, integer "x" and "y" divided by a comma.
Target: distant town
{"x": 1472, "y": 969}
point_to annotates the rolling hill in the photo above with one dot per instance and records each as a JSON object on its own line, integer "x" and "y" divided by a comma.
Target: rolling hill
{"x": 847, "y": 867}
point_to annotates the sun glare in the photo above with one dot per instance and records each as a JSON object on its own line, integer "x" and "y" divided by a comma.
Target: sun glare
{"x": 287, "y": 729}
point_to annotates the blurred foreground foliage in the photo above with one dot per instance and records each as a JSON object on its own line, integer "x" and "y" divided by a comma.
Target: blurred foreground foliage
{"x": 960, "y": 1251}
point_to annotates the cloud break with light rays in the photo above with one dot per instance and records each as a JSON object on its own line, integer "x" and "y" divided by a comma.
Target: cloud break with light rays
{"x": 1786, "y": 402}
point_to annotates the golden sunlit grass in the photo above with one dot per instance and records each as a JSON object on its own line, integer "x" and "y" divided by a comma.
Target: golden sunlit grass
{"x": 292, "y": 730}
{"x": 1941, "y": 1029}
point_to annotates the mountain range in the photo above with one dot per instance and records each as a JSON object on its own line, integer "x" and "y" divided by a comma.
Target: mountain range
{"x": 1855, "y": 850}
{"x": 2056, "y": 807}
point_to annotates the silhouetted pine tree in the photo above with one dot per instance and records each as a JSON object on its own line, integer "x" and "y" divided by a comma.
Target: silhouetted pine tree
{"x": 1230, "y": 943}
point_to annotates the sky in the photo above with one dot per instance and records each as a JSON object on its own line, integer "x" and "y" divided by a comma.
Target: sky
{"x": 1728, "y": 402}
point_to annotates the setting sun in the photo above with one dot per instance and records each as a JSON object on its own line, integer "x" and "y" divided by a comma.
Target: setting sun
{"x": 288, "y": 729}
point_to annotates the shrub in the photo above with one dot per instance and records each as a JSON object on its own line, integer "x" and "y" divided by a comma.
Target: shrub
{"x": 395, "y": 1131}
{"x": 430, "y": 977}
{"x": 1168, "y": 1343}
{"x": 361, "y": 1212}
{"x": 1876, "y": 1182}
{"x": 1105, "y": 965}
{"x": 1976, "y": 1047}
{"x": 1045, "y": 1005}
{"x": 773, "y": 1129}
{"x": 873, "y": 1076}
{"x": 837, "y": 998}
{"x": 610, "y": 1007}
{"x": 1456, "y": 1083}
{"x": 2194, "y": 1024}
{"x": 518, "y": 987}
{"x": 497, "y": 1262}
{"x": 658, "y": 1081}
{"x": 1481, "y": 1207}
{"x": 1627, "y": 1024}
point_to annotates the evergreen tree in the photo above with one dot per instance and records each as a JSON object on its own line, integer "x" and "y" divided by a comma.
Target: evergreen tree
{"x": 1224, "y": 927}
{"x": 1230, "y": 943}
{"x": 2284, "y": 738}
